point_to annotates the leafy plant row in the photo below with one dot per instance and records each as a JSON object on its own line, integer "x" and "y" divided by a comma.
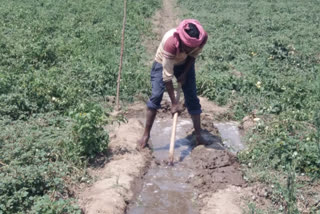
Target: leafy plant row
{"x": 58, "y": 64}
{"x": 262, "y": 58}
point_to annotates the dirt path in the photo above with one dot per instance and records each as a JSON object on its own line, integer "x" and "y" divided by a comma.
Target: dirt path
{"x": 163, "y": 20}
{"x": 205, "y": 179}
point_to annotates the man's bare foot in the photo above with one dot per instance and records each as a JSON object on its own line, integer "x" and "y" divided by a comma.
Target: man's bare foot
{"x": 200, "y": 140}
{"x": 143, "y": 142}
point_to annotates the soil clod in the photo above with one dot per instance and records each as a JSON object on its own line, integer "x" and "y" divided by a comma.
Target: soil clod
{"x": 214, "y": 169}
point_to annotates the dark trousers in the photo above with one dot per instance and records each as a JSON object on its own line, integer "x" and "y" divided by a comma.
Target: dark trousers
{"x": 189, "y": 88}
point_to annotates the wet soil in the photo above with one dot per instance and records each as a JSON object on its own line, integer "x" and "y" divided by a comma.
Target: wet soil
{"x": 196, "y": 171}
{"x": 165, "y": 189}
{"x": 214, "y": 169}
{"x": 150, "y": 186}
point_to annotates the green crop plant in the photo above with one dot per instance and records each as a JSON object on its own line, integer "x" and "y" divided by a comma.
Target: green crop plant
{"x": 36, "y": 165}
{"x": 55, "y": 54}
{"x": 58, "y": 63}
{"x": 263, "y": 57}
{"x": 88, "y": 135}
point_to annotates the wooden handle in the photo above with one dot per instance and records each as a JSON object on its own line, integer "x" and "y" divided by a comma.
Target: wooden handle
{"x": 173, "y": 138}
{"x": 174, "y": 127}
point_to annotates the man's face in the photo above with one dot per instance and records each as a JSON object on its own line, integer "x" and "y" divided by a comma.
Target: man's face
{"x": 185, "y": 48}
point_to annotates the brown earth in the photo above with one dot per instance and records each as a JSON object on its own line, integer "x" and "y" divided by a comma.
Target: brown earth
{"x": 214, "y": 169}
{"x": 225, "y": 201}
{"x": 218, "y": 177}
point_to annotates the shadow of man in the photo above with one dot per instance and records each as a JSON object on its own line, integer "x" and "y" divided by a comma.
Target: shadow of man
{"x": 211, "y": 142}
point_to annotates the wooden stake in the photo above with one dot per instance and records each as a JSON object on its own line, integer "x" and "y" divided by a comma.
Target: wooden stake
{"x": 121, "y": 53}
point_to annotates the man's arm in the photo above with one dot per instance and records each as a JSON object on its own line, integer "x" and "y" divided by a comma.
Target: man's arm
{"x": 168, "y": 74}
{"x": 175, "y": 107}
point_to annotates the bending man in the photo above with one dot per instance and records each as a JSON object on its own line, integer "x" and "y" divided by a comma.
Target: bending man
{"x": 176, "y": 56}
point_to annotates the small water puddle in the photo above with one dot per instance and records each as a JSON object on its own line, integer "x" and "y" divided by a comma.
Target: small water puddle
{"x": 161, "y": 134}
{"x": 230, "y": 136}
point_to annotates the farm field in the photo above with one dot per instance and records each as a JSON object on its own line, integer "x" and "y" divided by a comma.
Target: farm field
{"x": 59, "y": 139}
{"x": 58, "y": 66}
{"x": 262, "y": 59}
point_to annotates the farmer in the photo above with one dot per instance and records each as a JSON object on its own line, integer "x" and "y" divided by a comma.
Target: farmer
{"x": 176, "y": 56}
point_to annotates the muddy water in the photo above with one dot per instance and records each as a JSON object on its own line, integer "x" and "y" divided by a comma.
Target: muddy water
{"x": 165, "y": 189}
{"x": 230, "y": 135}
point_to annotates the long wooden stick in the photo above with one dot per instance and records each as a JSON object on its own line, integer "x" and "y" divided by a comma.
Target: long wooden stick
{"x": 174, "y": 127}
{"x": 121, "y": 53}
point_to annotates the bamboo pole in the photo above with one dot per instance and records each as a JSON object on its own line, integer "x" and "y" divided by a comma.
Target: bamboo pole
{"x": 121, "y": 53}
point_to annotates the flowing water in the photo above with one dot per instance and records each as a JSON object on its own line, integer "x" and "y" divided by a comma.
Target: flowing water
{"x": 164, "y": 188}
{"x": 230, "y": 136}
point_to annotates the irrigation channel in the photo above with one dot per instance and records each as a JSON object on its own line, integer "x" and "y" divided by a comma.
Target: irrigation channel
{"x": 167, "y": 189}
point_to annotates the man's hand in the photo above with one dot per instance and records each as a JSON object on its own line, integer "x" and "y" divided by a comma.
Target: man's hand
{"x": 176, "y": 108}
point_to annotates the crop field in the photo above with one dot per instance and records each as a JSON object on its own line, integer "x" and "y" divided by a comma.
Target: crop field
{"x": 58, "y": 71}
{"x": 58, "y": 62}
{"x": 263, "y": 59}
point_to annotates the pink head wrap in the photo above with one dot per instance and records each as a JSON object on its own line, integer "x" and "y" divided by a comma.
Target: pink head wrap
{"x": 184, "y": 36}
